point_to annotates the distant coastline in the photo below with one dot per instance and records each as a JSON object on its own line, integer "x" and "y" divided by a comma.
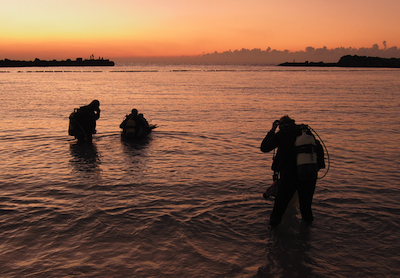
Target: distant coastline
{"x": 351, "y": 61}
{"x": 79, "y": 62}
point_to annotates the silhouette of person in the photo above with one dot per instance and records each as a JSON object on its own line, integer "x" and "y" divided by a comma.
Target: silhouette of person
{"x": 130, "y": 125}
{"x": 286, "y": 163}
{"x": 83, "y": 121}
{"x": 135, "y": 125}
{"x": 144, "y": 124}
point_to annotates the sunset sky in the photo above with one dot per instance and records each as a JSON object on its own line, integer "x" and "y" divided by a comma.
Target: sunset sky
{"x": 62, "y": 29}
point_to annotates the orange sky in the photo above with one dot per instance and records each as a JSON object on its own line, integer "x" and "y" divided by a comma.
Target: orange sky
{"x": 60, "y": 29}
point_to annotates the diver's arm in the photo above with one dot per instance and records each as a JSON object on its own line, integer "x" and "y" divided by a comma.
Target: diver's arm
{"x": 97, "y": 113}
{"x": 271, "y": 140}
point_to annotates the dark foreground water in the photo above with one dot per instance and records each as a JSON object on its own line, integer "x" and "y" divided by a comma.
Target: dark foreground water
{"x": 188, "y": 201}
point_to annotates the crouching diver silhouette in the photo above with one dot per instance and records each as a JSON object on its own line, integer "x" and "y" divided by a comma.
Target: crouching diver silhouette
{"x": 298, "y": 158}
{"x": 134, "y": 125}
{"x": 82, "y": 122}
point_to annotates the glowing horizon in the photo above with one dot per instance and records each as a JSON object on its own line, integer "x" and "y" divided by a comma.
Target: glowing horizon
{"x": 128, "y": 28}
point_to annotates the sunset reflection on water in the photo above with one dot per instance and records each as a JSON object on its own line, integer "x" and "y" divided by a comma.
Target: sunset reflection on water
{"x": 192, "y": 192}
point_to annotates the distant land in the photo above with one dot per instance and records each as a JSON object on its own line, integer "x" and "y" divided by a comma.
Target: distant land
{"x": 79, "y": 62}
{"x": 351, "y": 61}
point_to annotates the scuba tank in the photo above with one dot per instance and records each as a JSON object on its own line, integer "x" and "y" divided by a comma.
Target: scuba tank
{"x": 72, "y": 129}
{"x": 130, "y": 128}
{"x": 306, "y": 149}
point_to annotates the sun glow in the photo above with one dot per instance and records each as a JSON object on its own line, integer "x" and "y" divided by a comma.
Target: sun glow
{"x": 159, "y": 28}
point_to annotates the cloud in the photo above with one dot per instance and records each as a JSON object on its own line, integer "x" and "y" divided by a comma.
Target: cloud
{"x": 273, "y": 56}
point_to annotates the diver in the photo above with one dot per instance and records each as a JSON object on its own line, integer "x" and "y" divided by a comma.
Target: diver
{"x": 144, "y": 124}
{"x": 130, "y": 125}
{"x": 83, "y": 121}
{"x": 134, "y": 125}
{"x": 299, "y": 157}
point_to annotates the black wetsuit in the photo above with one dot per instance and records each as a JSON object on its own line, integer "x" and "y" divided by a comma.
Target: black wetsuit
{"x": 86, "y": 118}
{"x": 285, "y": 163}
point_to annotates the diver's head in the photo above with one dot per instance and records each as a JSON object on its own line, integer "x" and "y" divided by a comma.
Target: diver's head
{"x": 286, "y": 122}
{"x": 95, "y": 104}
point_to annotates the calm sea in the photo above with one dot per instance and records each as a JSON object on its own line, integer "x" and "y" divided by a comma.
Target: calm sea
{"x": 188, "y": 201}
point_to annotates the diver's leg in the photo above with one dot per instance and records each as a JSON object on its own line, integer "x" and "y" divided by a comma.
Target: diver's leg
{"x": 306, "y": 192}
{"x": 285, "y": 192}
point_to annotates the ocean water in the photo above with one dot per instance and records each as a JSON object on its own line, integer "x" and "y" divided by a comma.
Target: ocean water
{"x": 187, "y": 202}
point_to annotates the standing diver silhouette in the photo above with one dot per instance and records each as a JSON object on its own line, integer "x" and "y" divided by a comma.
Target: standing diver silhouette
{"x": 297, "y": 163}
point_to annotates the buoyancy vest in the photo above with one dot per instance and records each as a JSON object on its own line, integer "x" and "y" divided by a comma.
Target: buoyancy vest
{"x": 306, "y": 154}
{"x": 71, "y": 128}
